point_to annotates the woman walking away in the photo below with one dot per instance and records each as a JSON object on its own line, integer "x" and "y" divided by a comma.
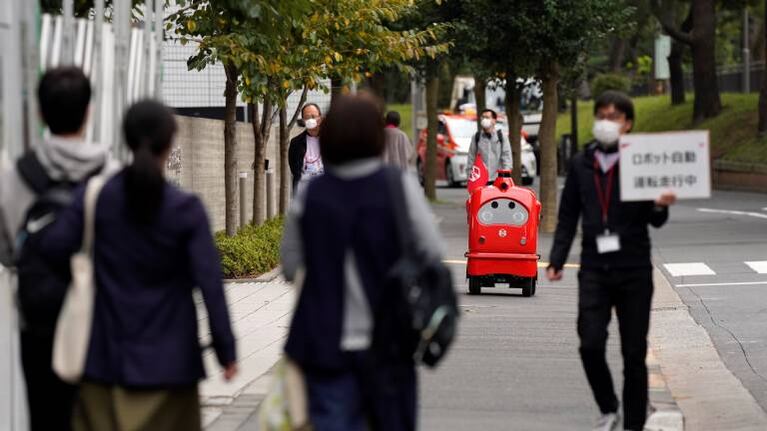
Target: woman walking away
{"x": 340, "y": 230}
{"x": 152, "y": 247}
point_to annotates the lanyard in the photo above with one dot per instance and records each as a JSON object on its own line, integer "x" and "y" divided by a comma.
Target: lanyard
{"x": 604, "y": 198}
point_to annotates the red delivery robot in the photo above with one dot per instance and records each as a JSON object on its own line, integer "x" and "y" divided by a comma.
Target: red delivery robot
{"x": 503, "y": 236}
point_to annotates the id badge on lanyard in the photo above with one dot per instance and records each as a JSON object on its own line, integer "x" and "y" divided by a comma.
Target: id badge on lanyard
{"x": 608, "y": 242}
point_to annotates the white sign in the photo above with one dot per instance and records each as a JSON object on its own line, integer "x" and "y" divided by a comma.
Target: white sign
{"x": 662, "y": 51}
{"x": 654, "y": 163}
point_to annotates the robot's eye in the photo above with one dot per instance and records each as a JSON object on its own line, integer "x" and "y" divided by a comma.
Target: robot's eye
{"x": 512, "y": 205}
{"x": 494, "y": 205}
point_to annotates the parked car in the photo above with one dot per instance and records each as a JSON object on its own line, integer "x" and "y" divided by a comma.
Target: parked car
{"x": 454, "y": 136}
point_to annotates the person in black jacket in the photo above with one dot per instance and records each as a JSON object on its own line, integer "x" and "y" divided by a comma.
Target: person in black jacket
{"x": 616, "y": 269}
{"x": 304, "y": 150}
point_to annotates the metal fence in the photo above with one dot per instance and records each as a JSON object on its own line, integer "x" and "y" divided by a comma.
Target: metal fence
{"x": 201, "y": 93}
{"x": 122, "y": 61}
{"x": 729, "y": 78}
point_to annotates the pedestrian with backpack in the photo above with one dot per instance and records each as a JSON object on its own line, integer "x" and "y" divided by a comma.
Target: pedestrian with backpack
{"x": 152, "y": 246}
{"x": 32, "y": 192}
{"x": 492, "y": 145}
{"x": 344, "y": 232}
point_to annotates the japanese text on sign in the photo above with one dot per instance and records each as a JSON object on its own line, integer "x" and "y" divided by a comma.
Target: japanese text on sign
{"x": 652, "y": 164}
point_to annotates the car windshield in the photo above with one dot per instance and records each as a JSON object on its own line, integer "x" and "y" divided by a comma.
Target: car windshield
{"x": 461, "y": 127}
{"x": 462, "y": 131}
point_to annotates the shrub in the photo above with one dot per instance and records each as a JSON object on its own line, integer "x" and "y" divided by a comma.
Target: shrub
{"x": 253, "y": 251}
{"x": 610, "y": 81}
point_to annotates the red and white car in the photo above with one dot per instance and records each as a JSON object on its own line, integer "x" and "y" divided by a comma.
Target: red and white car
{"x": 454, "y": 136}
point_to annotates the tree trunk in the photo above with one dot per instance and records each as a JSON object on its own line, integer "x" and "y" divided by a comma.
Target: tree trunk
{"x": 285, "y": 179}
{"x": 547, "y": 140}
{"x": 763, "y": 92}
{"x": 617, "y": 53}
{"x": 675, "y": 63}
{"x": 677, "y": 73}
{"x": 707, "y": 101}
{"x": 230, "y": 150}
{"x": 262, "y": 127}
{"x": 480, "y": 94}
{"x": 430, "y": 164}
{"x": 336, "y": 87}
{"x": 514, "y": 117}
{"x": 377, "y": 84}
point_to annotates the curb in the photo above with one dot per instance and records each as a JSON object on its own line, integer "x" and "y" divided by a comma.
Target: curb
{"x": 266, "y": 277}
{"x": 667, "y": 416}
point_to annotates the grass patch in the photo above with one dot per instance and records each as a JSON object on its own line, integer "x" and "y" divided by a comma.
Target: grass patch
{"x": 255, "y": 250}
{"x": 733, "y": 132}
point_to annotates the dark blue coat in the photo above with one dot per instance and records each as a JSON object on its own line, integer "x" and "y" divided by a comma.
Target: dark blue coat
{"x": 145, "y": 322}
{"x": 341, "y": 215}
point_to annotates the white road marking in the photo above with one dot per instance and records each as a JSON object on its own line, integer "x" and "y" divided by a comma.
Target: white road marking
{"x": 731, "y": 212}
{"x": 745, "y": 283}
{"x": 759, "y": 266}
{"x": 687, "y": 269}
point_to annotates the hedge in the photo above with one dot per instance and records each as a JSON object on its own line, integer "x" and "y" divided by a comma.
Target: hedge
{"x": 252, "y": 252}
{"x": 610, "y": 81}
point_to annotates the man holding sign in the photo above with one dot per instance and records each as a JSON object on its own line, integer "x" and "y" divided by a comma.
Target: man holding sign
{"x": 616, "y": 269}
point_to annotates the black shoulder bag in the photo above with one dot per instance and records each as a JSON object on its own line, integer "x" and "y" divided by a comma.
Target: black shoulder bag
{"x": 426, "y": 299}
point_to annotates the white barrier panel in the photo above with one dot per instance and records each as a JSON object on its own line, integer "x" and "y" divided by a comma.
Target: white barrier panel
{"x": 13, "y": 409}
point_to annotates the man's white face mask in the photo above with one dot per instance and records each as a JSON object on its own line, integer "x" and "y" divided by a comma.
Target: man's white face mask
{"x": 607, "y": 133}
{"x": 487, "y": 123}
{"x": 311, "y": 123}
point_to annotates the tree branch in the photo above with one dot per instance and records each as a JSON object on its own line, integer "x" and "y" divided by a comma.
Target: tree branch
{"x": 300, "y": 106}
{"x": 668, "y": 26}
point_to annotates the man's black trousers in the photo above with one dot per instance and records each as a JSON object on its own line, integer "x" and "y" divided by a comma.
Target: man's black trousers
{"x": 630, "y": 292}
{"x": 51, "y": 401}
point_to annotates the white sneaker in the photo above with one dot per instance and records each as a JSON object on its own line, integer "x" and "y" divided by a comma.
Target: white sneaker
{"x": 607, "y": 422}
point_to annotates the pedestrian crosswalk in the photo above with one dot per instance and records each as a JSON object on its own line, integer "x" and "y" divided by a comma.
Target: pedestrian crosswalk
{"x": 760, "y": 267}
{"x": 688, "y": 269}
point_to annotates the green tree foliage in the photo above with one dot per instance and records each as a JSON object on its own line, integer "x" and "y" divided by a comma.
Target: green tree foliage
{"x": 564, "y": 32}
{"x": 226, "y": 32}
{"x": 272, "y": 48}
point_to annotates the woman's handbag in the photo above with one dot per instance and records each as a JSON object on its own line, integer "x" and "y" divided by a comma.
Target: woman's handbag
{"x": 73, "y": 328}
{"x": 286, "y": 406}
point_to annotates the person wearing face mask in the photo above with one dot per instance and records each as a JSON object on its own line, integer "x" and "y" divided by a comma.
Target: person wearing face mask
{"x": 492, "y": 144}
{"x": 304, "y": 150}
{"x": 616, "y": 268}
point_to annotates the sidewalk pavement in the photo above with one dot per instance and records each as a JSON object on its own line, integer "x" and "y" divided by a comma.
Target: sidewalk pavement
{"x": 260, "y": 312}
{"x": 685, "y": 370}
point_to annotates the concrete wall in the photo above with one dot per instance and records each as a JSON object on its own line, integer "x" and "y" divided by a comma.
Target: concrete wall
{"x": 197, "y": 163}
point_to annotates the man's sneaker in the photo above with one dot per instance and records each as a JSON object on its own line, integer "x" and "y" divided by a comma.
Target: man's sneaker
{"x": 607, "y": 422}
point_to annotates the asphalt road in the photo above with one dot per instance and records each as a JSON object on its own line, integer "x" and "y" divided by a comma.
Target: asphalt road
{"x": 515, "y": 365}
{"x": 731, "y": 300}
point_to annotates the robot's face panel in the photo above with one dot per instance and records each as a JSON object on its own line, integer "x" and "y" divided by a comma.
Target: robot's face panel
{"x": 502, "y": 212}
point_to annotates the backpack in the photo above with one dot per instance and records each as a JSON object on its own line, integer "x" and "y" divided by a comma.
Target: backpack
{"x": 500, "y": 137}
{"x": 426, "y": 304}
{"x": 41, "y": 285}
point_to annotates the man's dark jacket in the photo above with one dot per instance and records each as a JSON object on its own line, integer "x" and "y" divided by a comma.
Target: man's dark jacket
{"x": 296, "y": 153}
{"x": 627, "y": 219}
